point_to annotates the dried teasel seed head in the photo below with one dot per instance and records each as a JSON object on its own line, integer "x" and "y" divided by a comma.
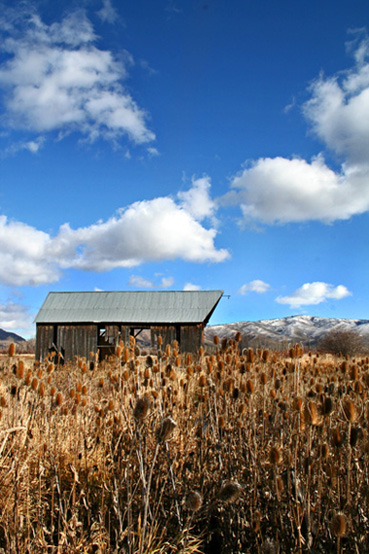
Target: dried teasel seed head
{"x": 230, "y": 491}
{"x": 11, "y": 350}
{"x": 20, "y": 369}
{"x": 193, "y": 501}
{"x": 165, "y": 429}
{"x": 339, "y": 524}
{"x": 275, "y": 455}
{"x": 355, "y": 434}
{"x": 337, "y": 439}
{"x": 327, "y": 405}
{"x": 249, "y": 386}
{"x": 142, "y": 408}
{"x": 324, "y": 451}
{"x": 349, "y": 411}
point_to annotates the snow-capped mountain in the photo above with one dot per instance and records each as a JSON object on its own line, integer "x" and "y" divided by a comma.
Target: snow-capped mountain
{"x": 288, "y": 330}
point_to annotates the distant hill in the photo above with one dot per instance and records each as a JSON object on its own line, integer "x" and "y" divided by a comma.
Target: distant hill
{"x": 8, "y": 336}
{"x": 279, "y": 333}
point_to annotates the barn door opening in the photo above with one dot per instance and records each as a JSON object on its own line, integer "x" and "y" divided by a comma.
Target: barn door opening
{"x": 106, "y": 341}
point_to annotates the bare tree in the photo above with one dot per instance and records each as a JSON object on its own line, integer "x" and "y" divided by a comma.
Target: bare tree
{"x": 342, "y": 341}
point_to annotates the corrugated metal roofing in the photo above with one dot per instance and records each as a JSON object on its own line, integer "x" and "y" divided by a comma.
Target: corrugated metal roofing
{"x": 138, "y": 307}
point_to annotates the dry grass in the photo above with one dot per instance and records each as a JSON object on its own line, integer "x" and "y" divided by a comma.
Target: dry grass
{"x": 229, "y": 453}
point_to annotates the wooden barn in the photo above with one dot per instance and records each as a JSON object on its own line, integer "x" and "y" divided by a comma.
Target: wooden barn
{"x": 78, "y": 323}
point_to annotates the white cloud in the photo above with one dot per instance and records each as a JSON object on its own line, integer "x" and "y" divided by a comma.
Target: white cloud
{"x": 166, "y": 282}
{"x": 153, "y": 152}
{"x": 25, "y": 255}
{"x": 140, "y": 282}
{"x": 56, "y": 79}
{"x": 155, "y": 230}
{"x": 197, "y": 200}
{"x": 339, "y": 106}
{"x": 280, "y": 190}
{"x": 32, "y": 146}
{"x": 314, "y": 293}
{"x": 257, "y": 286}
{"x": 191, "y": 286}
{"x": 107, "y": 13}
{"x": 16, "y": 318}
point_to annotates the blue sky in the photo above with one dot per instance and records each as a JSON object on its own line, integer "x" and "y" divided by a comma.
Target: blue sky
{"x": 176, "y": 145}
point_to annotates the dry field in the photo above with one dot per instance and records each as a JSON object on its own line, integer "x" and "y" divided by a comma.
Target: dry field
{"x": 234, "y": 452}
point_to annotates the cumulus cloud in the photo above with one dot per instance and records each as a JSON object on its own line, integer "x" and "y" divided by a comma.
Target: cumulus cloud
{"x": 314, "y": 293}
{"x": 191, "y": 286}
{"x": 197, "y": 200}
{"x": 15, "y": 317}
{"x": 280, "y": 190}
{"x": 107, "y": 13}
{"x": 155, "y": 230}
{"x": 257, "y": 286}
{"x": 56, "y": 79}
{"x": 140, "y": 282}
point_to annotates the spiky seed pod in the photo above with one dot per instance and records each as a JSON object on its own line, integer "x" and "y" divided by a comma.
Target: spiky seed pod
{"x": 34, "y": 384}
{"x": 311, "y": 413}
{"x": 249, "y": 386}
{"x": 354, "y": 436}
{"x": 142, "y": 408}
{"x": 339, "y": 524}
{"x": 40, "y": 373}
{"x": 256, "y": 522}
{"x": 111, "y": 405}
{"x": 265, "y": 356}
{"x": 337, "y": 438}
{"x": 193, "y": 501}
{"x": 327, "y": 405}
{"x": 78, "y": 399}
{"x": 324, "y": 451}
{"x": 354, "y": 373}
{"x": 160, "y": 340}
{"x": 202, "y": 381}
{"x": 263, "y": 379}
{"x": 20, "y": 369}
{"x": 358, "y": 387}
{"x": 101, "y": 382}
{"x": 221, "y": 422}
{"x": 230, "y": 491}
{"x": 59, "y": 399}
{"x": 238, "y": 336}
{"x": 250, "y": 355}
{"x": 349, "y": 411}
{"x": 149, "y": 361}
{"x": 84, "y": 390}
{"x": 2, "y": 402}
{"x": 275, "y": 455}
{"x": 236, "y": 393}
{"x": 11, "y": 350}
{"x": 297, "y": 404}
{"x": 165, "y": 429}
{"x": 41, "y": 389}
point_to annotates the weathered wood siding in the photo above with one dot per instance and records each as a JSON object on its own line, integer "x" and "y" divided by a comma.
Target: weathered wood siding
{"x": 81, "y": 340}
{"x": 77, "y": 340}
{"x": 191, "y": 338}
{"x": 167, "y": 332}
{"x": 44, "y": 340}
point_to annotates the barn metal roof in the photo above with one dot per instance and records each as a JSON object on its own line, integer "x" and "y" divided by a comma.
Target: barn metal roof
{"x": 138, "y": 307}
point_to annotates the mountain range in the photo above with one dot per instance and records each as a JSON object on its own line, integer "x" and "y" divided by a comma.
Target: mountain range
{"x": 8, "y": 336}
{"x": 279, "y": 333}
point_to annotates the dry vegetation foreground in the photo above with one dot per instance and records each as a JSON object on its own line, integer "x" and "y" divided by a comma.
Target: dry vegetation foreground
{"x": 226, "y": 453}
